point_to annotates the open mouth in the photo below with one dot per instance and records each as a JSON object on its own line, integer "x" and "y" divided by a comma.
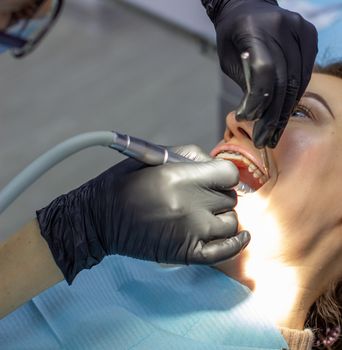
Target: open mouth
{"x": 252, "y": 173}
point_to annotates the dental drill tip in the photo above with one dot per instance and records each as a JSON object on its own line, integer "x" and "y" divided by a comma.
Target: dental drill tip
{"x": 246, "y": 70}
{"x": 265, "y": 161}
{"x": 242, "y": 189}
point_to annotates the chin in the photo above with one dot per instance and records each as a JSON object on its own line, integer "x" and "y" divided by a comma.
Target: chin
{"x": 255, "y": 212}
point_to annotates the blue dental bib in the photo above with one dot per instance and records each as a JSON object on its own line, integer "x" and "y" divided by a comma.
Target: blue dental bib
{"x": 124, "y": 303}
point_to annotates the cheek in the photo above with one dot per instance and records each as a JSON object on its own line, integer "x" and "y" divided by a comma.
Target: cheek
{"x": 308, "y": 167}
{"x": 305, "y": 156}
{"x": 293, "y": 150}
{"x": 301, "y": 159}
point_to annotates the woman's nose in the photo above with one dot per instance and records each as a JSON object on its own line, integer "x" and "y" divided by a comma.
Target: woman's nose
{"x": 238, "y": 130}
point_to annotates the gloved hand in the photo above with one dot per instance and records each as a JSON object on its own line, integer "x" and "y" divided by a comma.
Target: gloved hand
{"x": 282, "y": 47}
{"x": 174, "y": 213}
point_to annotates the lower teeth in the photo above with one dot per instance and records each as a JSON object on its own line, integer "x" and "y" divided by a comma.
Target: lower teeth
{"x": 243, "y": 189}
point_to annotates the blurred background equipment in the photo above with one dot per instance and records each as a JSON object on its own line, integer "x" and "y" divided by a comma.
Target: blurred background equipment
{"x": 105, "y": 66}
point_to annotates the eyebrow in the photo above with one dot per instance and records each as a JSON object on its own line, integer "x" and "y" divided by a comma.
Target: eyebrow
{"x": 320, "y": 99}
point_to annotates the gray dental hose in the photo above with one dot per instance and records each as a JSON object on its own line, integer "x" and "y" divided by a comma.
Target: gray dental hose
{"x": 141, "y": 150}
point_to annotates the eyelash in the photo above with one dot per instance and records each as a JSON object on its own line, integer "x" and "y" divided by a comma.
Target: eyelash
{"x": 303, "y": 109}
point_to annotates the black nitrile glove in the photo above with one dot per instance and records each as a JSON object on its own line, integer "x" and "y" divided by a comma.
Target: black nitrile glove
{"x": 282, "y": 47}
{"x": 163, "y": 213}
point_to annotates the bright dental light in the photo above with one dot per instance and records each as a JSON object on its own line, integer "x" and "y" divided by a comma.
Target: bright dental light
{"x": 275, "y": 283}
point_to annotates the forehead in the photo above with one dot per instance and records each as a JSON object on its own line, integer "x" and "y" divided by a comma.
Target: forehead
{"x": 330, "y": 88}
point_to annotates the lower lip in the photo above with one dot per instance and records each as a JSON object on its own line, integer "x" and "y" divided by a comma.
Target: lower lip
{"x": 247, "y": 177}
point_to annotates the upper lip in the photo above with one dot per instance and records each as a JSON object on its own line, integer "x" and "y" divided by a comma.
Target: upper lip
{"x": 224, "y": 147}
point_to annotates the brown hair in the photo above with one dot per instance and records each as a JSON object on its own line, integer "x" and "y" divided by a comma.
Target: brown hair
{"x": 325, "y": 319}
{"x": 334, "y": 69}
{"x": 325, "y": 315}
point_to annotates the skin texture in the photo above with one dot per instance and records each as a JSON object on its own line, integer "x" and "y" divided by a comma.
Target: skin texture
{"x": 302, "y": 254}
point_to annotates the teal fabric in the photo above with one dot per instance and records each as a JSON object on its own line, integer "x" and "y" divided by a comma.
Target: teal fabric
{"x": 124, "y": 303}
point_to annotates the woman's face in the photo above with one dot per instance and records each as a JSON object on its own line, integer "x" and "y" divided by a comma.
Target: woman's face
{"x": 304, "y": 191}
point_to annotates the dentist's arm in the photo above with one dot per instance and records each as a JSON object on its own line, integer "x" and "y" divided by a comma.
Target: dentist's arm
{"x": 175, "y": 213}
{"x": 282, "y": 47}
{"x": 27, "y": 268}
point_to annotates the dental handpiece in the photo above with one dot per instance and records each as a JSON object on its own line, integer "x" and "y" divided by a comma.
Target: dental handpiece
{"x": 144, "y": 151}
{"x": 141, "y": 150}
{"x": 152, "y": 154}
{"x": 247, "y": 73}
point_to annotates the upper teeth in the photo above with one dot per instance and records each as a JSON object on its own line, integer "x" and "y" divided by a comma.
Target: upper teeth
{"x": 252, "y": 168}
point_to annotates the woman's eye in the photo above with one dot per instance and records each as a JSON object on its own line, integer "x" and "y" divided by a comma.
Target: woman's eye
{"x": 298, "y": 114}
{"x": 301, "y": 112}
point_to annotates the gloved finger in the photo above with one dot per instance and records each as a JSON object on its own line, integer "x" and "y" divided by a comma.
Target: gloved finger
{"x": 228, "y": 218}
{"x": 289, "y": 104}
{"x": 192, "y": 152}
{"x": 262, "y": 81}
{"x": 218, "y": 251}
{"x": 213, "y": 227}
{"x": 265, "y": 127}
{"x": 221, "y": 202}
{"x": 222, "y": 226}
{"x": 294, "y": 68}
{"x": 218, "y": 174}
